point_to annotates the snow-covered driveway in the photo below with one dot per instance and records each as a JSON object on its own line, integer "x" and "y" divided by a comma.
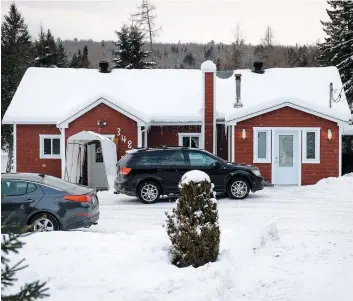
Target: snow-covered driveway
{"x": 125, "y": 257}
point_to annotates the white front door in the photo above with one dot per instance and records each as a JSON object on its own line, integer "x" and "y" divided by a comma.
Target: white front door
{"x": 286, "y": 157}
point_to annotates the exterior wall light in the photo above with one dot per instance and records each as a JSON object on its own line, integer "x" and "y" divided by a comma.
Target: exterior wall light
{"x": 101, "y": 123}
{"x": 329, "y": 135}
{"x": 243, "y": 134}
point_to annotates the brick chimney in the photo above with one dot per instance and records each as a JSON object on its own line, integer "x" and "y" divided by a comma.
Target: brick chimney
{"x": 208, "y": 130}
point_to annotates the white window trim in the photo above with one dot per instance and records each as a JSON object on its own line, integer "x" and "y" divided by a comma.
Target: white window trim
{"x": 268, "y": 131}
{"x": 182, "y": 135}
{"x": 41, "y": 147}
{"x": 317, "y": 145}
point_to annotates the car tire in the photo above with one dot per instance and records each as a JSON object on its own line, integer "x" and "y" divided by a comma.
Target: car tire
{"x": 238, "y": 188}
{"x": 149, "y": 192}
{"x": 44, "y": 222}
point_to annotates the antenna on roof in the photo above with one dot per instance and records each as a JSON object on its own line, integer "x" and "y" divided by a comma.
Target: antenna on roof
{"x": 331, "y": 95}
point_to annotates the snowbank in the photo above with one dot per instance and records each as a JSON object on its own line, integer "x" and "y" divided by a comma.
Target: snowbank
{"x": 288, "y": 243}
{"x": 346, "y": 179}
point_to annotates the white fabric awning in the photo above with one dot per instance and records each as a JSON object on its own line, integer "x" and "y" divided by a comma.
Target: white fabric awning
{"x": 74, "y": 161}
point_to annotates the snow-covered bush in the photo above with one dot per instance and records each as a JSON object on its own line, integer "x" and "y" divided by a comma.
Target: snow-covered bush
{"x": 193, "y": 225}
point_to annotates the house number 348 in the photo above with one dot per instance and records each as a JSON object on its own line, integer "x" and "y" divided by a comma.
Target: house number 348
{"x": 124, "y": 138}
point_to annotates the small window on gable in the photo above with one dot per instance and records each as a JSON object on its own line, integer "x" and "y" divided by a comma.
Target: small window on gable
{"x": 262, "y": 145}
{"x": 49, "y": 146}
{"x": 311, "y": 145}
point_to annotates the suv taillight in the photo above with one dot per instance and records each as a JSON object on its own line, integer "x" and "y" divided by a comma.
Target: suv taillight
{"x": 125, "y": 171}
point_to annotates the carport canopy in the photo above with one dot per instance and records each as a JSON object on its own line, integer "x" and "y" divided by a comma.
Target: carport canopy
{"x": 75, "y": 156}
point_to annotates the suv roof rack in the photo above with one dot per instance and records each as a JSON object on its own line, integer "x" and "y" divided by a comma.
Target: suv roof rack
{"x": 159, "y": 147}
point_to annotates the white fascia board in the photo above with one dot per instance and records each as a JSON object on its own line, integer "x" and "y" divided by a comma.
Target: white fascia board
{"x": 250, "y": 114}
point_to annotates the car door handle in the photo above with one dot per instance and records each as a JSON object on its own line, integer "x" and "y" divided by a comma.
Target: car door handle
{"x": 29, "y": 201}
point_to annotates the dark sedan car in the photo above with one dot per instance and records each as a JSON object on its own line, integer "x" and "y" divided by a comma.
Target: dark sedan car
{"x": 46, "y": 203}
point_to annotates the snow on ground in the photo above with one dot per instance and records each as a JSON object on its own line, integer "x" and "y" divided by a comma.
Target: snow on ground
{"x": 288, "y": 243}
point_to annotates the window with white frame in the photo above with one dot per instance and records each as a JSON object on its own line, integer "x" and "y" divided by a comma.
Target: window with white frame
{"x": 190, "y": 140}
{"x": 49, "y": 147}
{"x": 311, "y": 145}
{"x": 262, "y": 145}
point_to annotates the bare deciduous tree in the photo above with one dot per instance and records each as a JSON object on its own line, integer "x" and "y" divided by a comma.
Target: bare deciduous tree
{"x": 145, "y": 20}
{"x": 237, "y": 51}
{"x": 268, "y": 38}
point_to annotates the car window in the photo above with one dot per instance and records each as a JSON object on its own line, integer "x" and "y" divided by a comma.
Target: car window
{"x": 125, "y": 160}
{"x": 31, "y": 187}
{"x": 148, "y": 159}
{"x": 200, "y": 159}
{"x": 58, "y": 183}
{"x": 172, "y": 157}
{"x": 13, "y": 188}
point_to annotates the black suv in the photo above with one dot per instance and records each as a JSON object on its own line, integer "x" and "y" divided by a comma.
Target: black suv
{"x": 149, "y": 173}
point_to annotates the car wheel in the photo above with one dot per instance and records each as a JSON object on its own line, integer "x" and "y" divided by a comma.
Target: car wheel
{"x": 238, "y": 188}
{"x": 149, "y": 192}
{"x": 44, "y": 222}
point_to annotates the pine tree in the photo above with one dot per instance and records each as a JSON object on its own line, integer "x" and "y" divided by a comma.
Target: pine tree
{"x": 16, "y": 57}
{"x": 130, "y": 53}
{"x": 80, "y": 59}
{"x": 193, "y": 225}
{"x": 62, "y": 61}
{"x": 189, "y": 60}
{"x": 45, "y": 52}
{"x": 48, "y": 52}
{"x": 85, "y": 60}
{"x": 337, "y": 49}
{"x": 209, "y": 55}
{"x": 218, "y": 64}
{"x": 303, "y": 59}
{"x": 292, "y": 58}
{"x": 11, "y": 243}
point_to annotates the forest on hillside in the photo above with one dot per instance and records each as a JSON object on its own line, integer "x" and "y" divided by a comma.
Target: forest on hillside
{"x": 190, "y": 55}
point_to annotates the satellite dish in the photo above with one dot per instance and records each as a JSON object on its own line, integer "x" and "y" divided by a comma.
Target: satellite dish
{"x": 224, "y": 74}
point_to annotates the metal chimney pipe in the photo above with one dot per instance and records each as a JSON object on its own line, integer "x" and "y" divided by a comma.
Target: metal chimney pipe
{"x": 331, "y": 95}
{"x": 238, "y": 103}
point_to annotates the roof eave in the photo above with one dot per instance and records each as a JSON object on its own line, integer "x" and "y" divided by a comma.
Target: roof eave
{"x": 89, "y": 106}
{"x": 29, "y": 122}
{"x": 253, "y": 114}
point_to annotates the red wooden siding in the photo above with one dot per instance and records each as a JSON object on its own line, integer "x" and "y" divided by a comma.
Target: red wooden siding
{"x": 168, "y": 135}
{"x": 114, "y": 119}
{"x": 289, "y": 117}
{"x": 27, "y": 150}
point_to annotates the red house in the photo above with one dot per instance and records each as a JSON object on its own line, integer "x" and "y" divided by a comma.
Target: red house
{"x": 287, "y": 121}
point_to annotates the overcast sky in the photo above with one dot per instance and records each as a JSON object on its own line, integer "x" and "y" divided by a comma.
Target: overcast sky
{"x": 293, "y": 21}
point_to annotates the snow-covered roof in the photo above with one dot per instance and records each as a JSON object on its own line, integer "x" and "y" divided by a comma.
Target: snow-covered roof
{"x": 53, "y": 95}
{"x": 303, "y": 88}
{"x": 50, "y": 95}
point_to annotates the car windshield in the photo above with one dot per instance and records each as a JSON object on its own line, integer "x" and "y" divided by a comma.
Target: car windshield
{"x": 58, "y": 183}
{"x": 212, "y": 155}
